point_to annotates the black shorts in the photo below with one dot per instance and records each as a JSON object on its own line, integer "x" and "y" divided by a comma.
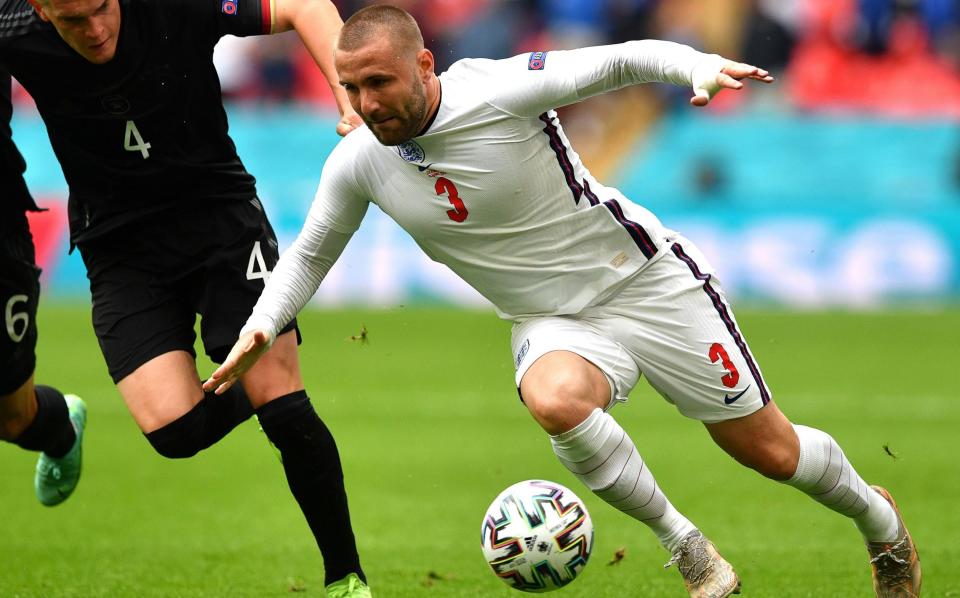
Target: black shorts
{"x": 19, "y": 295}
{"x": 149, "y": 281}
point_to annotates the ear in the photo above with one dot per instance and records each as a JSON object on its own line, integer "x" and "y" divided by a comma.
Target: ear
{"x": 39, "y": 9}
{"x": 425, "y": 63}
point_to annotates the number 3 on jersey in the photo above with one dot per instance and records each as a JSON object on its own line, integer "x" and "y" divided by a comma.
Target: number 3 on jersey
{"x": 133, "y": 140}
{"x": 459, "y": 212}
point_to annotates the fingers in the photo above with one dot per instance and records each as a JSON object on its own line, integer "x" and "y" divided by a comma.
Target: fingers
{"x": 725, "y": 81}
{"x": 729, "y": 77}
{"x": 701, "y": 98}
{"x": 220, "y": 380}
{"x": 348, "y": 123}
{"x": 243, "y": 355}
{"x": 739, "y": 70}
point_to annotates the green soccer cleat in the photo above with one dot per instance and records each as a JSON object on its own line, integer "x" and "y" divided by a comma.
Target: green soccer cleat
{"x": 57, "y": 478}
{"x": 350, "y": 586}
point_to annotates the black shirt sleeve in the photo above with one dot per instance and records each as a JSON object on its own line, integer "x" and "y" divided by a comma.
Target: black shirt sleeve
{"x": 227, "y": 17}
{"x": 13, "y": 189}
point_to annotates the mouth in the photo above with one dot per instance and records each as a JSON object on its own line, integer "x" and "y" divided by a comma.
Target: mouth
{"x": 100, "y": 46}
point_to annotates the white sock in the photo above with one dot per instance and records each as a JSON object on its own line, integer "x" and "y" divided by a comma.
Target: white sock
{"x": 603, "y": 457}
{"x": 825, "y": 474}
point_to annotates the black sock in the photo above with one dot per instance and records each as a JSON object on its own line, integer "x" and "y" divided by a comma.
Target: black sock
{"x": 203, "y": 426}
{"x": 312, "y": 465}
{"x": 51, "y": 430}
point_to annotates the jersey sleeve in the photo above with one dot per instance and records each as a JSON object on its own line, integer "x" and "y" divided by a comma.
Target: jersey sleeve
{"x": 530, "y": 84}
{"x": 227, "y": 17}
{"x": 337, "y": 211}
{"x": 12, "y": 166}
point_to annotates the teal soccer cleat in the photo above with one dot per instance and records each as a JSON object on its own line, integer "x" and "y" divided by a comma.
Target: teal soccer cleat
{"x": 56, "y": 478}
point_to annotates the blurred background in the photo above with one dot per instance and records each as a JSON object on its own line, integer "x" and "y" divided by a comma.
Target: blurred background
{"x": 838, "y": 186}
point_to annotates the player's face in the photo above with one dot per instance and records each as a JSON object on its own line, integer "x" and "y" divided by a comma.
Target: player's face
{"x": 387, "y": 88}
{"x": 90, "y": 27}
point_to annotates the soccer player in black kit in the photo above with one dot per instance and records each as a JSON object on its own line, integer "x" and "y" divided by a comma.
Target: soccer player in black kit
{"x": 168, "y": 222}
{"x": 32, "y": 416}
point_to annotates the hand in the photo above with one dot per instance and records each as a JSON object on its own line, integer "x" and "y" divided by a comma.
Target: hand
{"x": 243, "y": 355}
{"x": 707, "y": 81}
{"x": 348, "y": 122}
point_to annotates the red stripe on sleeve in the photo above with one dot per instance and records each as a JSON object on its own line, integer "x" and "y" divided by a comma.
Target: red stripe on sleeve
{"x": 266, "y": 16}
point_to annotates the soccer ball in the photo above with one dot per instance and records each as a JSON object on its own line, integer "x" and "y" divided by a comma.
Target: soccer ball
{"x": 537, "y": 536}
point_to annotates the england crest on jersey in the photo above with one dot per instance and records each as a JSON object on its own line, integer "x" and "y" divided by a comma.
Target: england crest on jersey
{"x": 410, "y": 151}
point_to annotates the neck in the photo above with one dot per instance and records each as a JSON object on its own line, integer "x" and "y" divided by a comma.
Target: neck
{"x": 433, "y": 103}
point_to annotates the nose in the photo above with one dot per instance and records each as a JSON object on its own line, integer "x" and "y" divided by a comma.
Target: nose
{"x": 368, "y": 103}
{"x": 94, "y": 30}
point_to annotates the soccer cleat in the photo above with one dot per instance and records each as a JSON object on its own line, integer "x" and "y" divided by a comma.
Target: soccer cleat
{"x": 350, "y": 586}
{"x": 705, "y": 573}
{"x": 896, "y": 564}
{"x": 56, "y": 479}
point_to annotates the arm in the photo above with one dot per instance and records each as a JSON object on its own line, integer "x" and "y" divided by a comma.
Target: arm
{"x": 570, "y": 76}
{"x": 318, "y": 23}
{"x": 292, "y": 283}
{"x": 12, "y": 166}
{"x": 336, "y": 213}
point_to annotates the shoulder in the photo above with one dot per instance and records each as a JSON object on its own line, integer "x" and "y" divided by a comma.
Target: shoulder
{"x": 485, "y": 68}
{"x": 17, "y": 18}
{"x": 476, "y": 72}
{"x": 352, "y": 156}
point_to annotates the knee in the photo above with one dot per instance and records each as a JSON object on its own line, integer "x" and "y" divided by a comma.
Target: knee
{"x": 12, "y": 422}
{"x": 775, "y": 461}
{"x": 10, "y": 428}
{"x": 173, "y": 441}
{"x": 172, "y": 449}
{"x": 561, "y": 402}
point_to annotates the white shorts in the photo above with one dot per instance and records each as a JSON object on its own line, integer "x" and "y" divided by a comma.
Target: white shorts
{"x": 671, "y": 323}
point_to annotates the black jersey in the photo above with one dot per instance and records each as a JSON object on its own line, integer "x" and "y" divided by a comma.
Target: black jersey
{"x": 14, "y": 197}
{"x": 146, "y": 131}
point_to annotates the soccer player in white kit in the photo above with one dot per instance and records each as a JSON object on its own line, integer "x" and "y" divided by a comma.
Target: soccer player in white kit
{"x": 475, "y": 166}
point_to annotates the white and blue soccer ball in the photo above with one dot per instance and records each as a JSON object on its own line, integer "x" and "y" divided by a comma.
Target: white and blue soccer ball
{"x": 537, "y": 536}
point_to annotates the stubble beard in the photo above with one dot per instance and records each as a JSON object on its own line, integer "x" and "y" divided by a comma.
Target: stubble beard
{"x": 416, "y": 109}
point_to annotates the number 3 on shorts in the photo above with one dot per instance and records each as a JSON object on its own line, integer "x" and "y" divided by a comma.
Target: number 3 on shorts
{"x": 257, "y": 261}
{"x": 717, "y": 352}
{"x": 11, "y": 319}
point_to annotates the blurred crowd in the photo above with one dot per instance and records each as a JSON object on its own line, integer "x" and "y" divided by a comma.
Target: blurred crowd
{"x": 832, "y": 52}
{"x": 895, "y": 58}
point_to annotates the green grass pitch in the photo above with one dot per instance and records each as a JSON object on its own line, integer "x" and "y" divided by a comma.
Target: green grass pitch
{"x": 430, "y": 430}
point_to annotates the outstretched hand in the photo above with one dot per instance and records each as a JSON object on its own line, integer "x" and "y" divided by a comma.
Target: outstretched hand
{"x": 730, "y": 76}
{"x": 243, "y": 355}
{"x": 348, "y": 122}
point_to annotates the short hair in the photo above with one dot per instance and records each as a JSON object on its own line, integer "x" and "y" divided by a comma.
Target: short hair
{"x": 371, "y": 22}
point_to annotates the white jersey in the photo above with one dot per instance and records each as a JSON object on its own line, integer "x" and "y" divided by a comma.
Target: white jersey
{"x": 493, "y": 189}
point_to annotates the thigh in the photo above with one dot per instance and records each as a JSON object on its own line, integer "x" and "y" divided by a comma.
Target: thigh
{"x": 161, "y": 390}
{"x": 19, "y": 297}
{"x": 138, "y": 313}
{"x": 676, "y": 322}
{"x": 276, "y": 373}
{"x": 535, "y": 337}
{"x": 243, "y": 253}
